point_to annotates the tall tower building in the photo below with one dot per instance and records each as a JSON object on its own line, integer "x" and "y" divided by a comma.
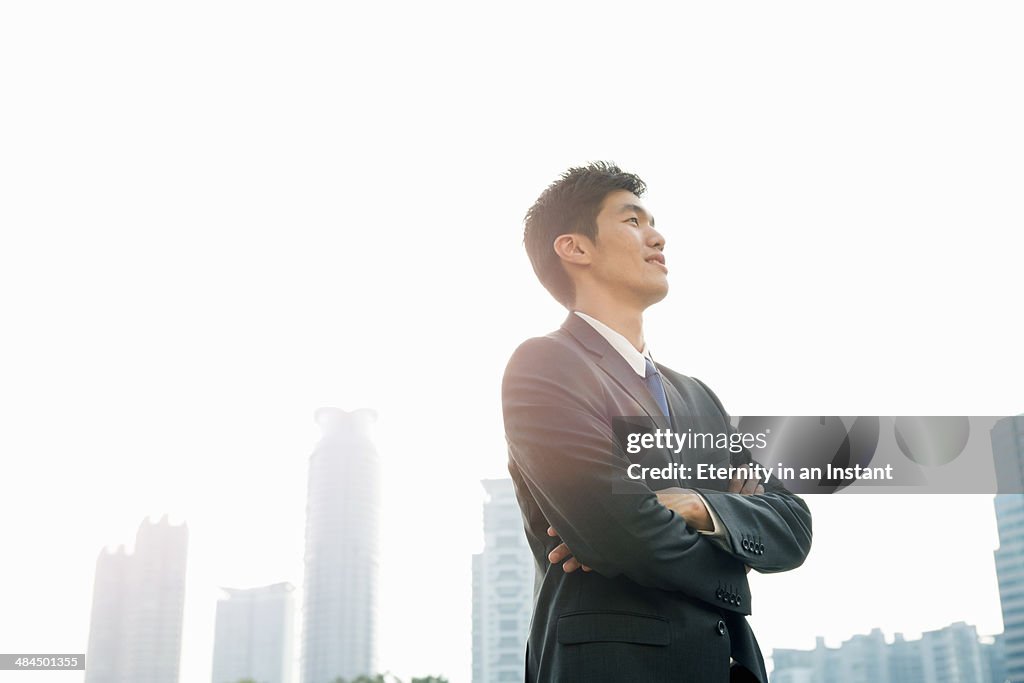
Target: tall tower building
{"x": 254, "y": 634}
{"x": 503, "y": 580}
{"x": 1008, "y": 451}
{"x": 341, "y": 564}
{"x": 137, "y": 609}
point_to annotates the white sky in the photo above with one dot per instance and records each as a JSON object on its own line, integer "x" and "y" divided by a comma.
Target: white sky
{"x": 219, "y": 216}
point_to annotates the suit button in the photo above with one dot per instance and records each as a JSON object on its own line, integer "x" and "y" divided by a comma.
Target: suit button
{"x": 760, "y": 548}
{"x": 721, "y": 627}
{"x": 745, "y": 544}
{"x": 718, "y": 594}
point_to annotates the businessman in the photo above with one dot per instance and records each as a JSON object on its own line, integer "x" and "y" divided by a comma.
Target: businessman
{"x": 639, "y": 580}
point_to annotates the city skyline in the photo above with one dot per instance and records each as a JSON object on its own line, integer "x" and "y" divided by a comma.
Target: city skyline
{"x": 327, "y": 417}
{"x": 951, "y": 654}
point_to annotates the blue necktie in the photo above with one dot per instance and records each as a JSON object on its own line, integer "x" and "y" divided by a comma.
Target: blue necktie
{"x": 656, "y": 387}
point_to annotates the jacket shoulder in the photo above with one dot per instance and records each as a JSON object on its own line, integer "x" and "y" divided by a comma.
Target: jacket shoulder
{"x": 552, "y": 349}
{"x": 555, "y": 359}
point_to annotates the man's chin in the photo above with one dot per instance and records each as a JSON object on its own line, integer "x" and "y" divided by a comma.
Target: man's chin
{"x": 657, "y": 294}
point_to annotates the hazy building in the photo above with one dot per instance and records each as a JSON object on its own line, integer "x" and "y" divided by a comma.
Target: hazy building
{"x": 905, "y": 660}
{"x": 137, "y": 608}
{"x": 952, "y": 654}
{"x": 503, "y": 580}
{"x": 254, "y": 634}
{"x": 995, "y": 657}
{"x": 1008, "y": 451}
{"x": 864, "y": 659}
{"x": 801, "y": 674}
{"x": 341, "y": 561}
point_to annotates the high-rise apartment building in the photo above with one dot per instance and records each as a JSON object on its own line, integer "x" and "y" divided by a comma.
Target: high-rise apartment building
{"x": 503, "y": 582}
{"x": 341, "y": 560}
{"x": 138, "y": 607}
{"x": 254, "y": 635}
{"x": 1008, "y": 452}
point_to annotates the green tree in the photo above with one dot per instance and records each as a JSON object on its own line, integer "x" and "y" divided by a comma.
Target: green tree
{"x": 388, "y": 677}
{"x": 378, "y": 678}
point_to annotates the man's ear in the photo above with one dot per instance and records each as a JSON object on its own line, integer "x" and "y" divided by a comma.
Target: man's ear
{"x": 574, "y": 248}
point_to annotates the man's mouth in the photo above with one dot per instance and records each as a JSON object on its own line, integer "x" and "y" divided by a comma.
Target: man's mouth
{"x": 658, "y": 260}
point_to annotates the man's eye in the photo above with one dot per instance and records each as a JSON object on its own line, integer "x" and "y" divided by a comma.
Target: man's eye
{"x": 634, "y": 220}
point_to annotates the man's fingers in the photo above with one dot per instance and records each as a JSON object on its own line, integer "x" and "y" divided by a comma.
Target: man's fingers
{"x": 551, "y": 531}
{"x": 562, "y": 553}
{"x": 746, "y": 486}
{"x": 559, "y": 553}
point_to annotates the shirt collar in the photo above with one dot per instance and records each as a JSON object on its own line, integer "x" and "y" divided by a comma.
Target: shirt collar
{"x": 636, "y": 359}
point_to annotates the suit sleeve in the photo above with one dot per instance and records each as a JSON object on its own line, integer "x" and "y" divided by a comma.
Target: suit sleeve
{"x": 576, "y": 471}
{"x": 771, "y": 532}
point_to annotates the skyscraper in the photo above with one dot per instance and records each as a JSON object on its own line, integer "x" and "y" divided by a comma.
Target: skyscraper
{"x": 137, "y": 609}
{"x": 253, "y": 636}
{"x": 503, "y": 580}
{"x": 341, "y": 564}
{"x": 1008, "y": 451}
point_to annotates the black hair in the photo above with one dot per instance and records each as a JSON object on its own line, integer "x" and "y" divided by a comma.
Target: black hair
{"x": 570, "y": 205}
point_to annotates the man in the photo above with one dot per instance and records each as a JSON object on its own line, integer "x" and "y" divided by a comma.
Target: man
{"x": 639, "y": 580}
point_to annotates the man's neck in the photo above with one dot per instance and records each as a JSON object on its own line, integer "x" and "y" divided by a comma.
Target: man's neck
{"x": 627, "y": 322}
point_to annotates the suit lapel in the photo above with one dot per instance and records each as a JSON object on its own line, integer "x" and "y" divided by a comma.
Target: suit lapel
{"x": 612, "y": 362}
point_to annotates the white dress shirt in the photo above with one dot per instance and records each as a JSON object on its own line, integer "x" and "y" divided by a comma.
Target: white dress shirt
{"x": 636, "y": 360}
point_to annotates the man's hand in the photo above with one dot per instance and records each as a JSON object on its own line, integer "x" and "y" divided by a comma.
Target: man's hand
{"x": 561, "y": 553}
{"x": 747, "y": 487}
{"x": 690, "y": 505}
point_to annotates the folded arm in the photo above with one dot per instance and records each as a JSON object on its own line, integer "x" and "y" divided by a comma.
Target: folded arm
{"x": 770, "y": 531}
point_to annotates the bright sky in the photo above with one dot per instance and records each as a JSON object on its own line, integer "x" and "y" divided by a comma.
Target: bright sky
{"x": 219, "y": 216}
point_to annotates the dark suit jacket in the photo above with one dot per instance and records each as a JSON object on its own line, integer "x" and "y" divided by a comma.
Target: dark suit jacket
{"x": 663, "y": 603}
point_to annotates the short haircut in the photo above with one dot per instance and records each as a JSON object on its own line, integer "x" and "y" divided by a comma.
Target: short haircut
{"x": 570, "y": 205}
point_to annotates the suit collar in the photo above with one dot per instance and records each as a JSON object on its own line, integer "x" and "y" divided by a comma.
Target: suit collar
{"x": 636, "y": 359}
{"x": 612, "y": 362}
{"x": 586, "y": 335}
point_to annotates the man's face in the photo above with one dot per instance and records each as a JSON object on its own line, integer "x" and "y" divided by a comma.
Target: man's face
{"x": 627, "y": 257}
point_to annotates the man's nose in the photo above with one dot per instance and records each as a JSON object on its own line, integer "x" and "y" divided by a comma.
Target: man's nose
{"x": 656, "y": 239}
